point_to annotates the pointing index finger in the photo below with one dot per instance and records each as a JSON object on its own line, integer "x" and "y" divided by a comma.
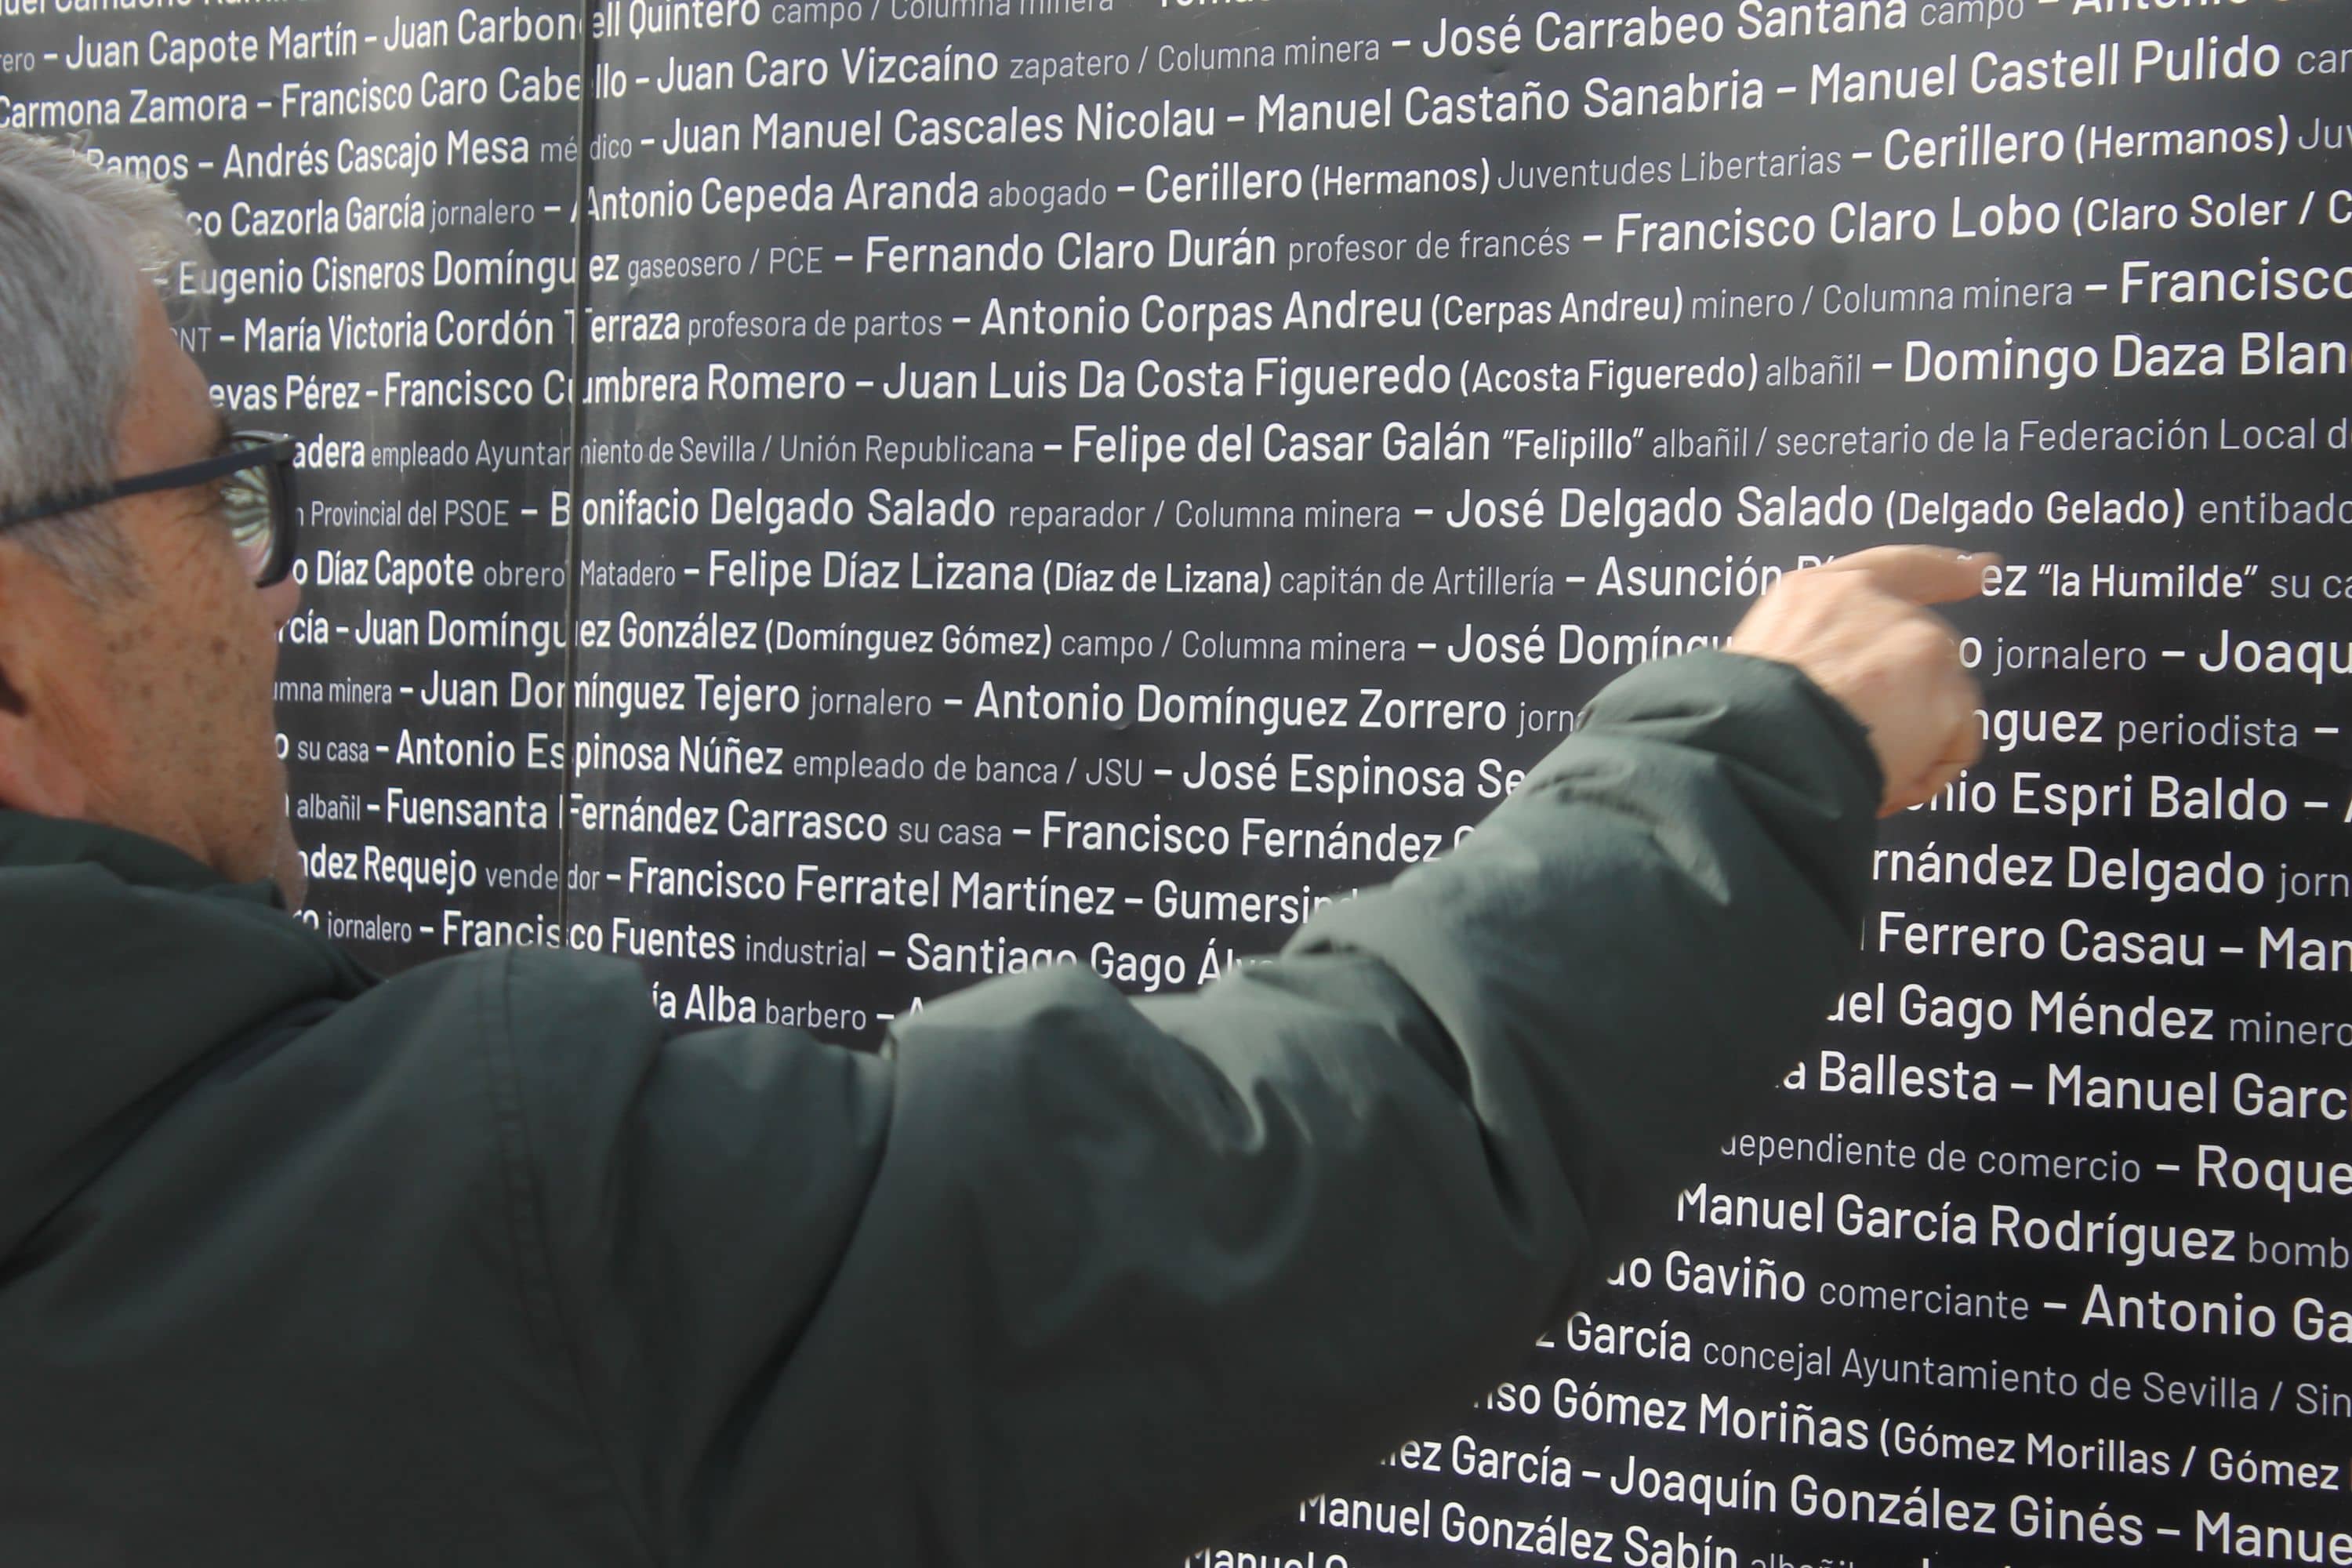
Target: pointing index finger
{"x": 1921, "y": 574}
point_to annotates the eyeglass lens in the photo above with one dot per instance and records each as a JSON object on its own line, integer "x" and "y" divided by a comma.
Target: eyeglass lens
{"x": 252, "y": 518}
{"x": 255, "y": 510}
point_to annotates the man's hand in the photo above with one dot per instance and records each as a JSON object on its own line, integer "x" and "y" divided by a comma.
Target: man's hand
{"x": 1856, "y": 627}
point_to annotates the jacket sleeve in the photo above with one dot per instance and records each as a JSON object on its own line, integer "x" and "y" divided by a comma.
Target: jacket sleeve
{"x": 1060, "y": 1278}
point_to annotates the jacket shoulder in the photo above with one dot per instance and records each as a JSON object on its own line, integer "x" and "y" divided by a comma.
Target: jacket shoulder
{"x": 326, "y": 1247}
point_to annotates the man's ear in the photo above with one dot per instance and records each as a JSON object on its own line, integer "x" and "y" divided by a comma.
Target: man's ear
{"x": 39, "y": 770}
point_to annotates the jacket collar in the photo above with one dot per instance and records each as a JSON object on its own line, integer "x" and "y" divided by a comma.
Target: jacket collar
{"x": 26, "y": 841}
{"x": 125, "y": 966}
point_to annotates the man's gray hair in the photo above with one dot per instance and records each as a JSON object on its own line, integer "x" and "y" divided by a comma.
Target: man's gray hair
{"x": 75, "y": 240}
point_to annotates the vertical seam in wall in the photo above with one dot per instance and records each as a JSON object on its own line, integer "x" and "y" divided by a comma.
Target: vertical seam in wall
{"x": 574, "y": 467}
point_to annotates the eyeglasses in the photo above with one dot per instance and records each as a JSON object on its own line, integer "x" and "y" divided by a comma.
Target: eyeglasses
{"x": 257, "y": 498}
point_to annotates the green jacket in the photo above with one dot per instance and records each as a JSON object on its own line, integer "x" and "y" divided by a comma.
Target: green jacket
{"x": 482, "y": 1266}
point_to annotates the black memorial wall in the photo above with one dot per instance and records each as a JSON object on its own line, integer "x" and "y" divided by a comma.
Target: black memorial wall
{"x": 837, "y": 500}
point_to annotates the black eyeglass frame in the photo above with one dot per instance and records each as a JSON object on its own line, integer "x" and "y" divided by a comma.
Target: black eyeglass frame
{"x": 264, "y": 449}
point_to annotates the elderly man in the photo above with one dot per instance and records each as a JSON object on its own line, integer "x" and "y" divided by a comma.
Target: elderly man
{"x": 477, "y": 1267}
